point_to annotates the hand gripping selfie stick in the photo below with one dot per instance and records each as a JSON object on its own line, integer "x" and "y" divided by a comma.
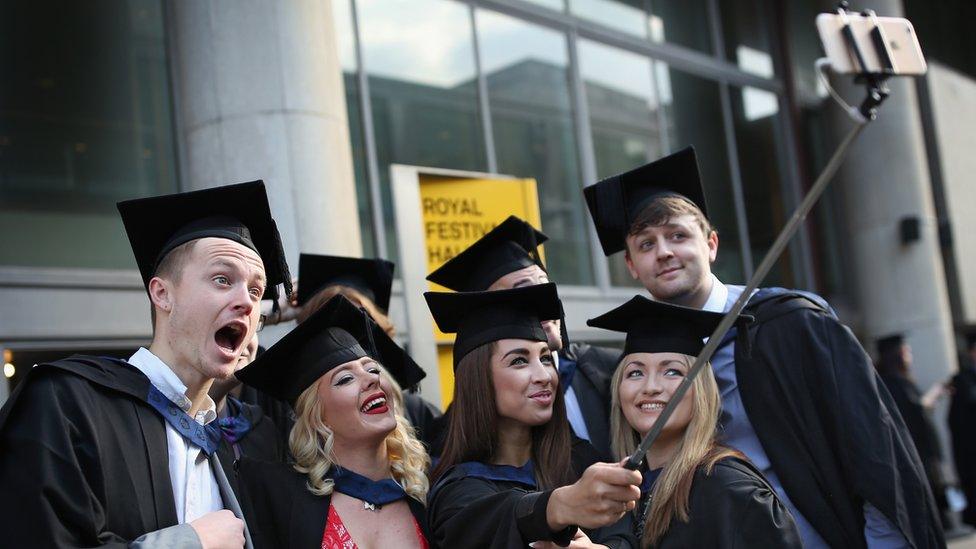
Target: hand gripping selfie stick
{"x": 877, "y": 92}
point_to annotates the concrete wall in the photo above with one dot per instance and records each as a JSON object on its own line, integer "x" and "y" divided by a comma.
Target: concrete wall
{"x": 954, "y": 112}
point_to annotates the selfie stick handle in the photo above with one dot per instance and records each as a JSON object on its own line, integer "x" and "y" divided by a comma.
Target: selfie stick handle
{"x": 635, "y": 460}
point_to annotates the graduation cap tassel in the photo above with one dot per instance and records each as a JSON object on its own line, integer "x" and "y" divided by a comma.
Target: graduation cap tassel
{"x": 789, "y": 230}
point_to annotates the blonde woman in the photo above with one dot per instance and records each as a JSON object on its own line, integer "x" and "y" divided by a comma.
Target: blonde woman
{"x": 359, "y": 473}
{"x": 696, "y": 492}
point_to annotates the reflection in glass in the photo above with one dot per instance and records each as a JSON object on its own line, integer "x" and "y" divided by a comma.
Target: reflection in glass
{"x": 681, "y": 22}
{"x": 345, "y": 39}
{"x": 625, "y": 120}
{"x": 419, "y": 56}
{"x": 527, "y": 75}
{"x": 762, "y": 186}
{"x": 84, "y": 122}
{"x": 745, "y": 23}
{"x": 628, "y": 16}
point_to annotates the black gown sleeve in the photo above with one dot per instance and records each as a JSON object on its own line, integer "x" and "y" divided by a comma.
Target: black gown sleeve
{"x": 473, "y": 512}
{"x": 761, "y": 519}
{"x": 878, "y": 457}
{"x": 50, "y": 470}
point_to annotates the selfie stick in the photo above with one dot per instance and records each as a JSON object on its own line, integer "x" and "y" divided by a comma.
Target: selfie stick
{"x": 877, "y": 93}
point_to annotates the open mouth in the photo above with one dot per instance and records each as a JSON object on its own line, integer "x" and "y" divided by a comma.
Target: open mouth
{"x": 375, "y": 404}
{"x": 652, "y": 406}
{"x": 230, "y": 337}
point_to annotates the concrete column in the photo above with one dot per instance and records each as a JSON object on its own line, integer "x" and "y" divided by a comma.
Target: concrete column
{"x": 900, "y": 288}
{"x": 259, "y": 95}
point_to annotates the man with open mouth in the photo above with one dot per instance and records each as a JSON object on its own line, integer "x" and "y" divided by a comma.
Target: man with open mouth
{"x": 99, "y": 451}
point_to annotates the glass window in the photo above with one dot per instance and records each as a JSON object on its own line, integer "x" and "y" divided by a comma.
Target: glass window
{"x": 762, "y": 182}
{"x": 639, "y": 111}
{"x": 625, "y": 119}
{"x": 629, "y": 16}
{"x": 346, "y": 40}
{"x": 558, "y": 5}
{"x": 681, "y": 22}
{"x": 85, "y": 122}
{"x": 526, "y": 69}
{"x": 419, "y": 56}
{"x": 745, "y": 29}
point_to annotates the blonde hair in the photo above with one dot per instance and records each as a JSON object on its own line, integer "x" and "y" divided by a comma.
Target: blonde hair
{"x": 311, "y": 443}
{"x": 697, "y": 450}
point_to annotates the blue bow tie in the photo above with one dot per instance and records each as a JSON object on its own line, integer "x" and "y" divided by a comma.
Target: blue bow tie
{"x": 235, "y": 426}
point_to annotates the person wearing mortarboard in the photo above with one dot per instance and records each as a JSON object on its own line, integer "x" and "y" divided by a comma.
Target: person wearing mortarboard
{"x": 894, "y": 365}
{"x": 510, "y": 474}
{"x": 508, "y": 257}
{"x": 696, "y": 492}
{"x": 100, "y": 452}
{"x": 359, "y": 474}
{"x": 368, "y": 284}
{"x": 800, "y": 397}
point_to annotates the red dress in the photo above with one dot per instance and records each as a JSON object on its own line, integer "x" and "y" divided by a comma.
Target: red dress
{"x": 337, "y": 537}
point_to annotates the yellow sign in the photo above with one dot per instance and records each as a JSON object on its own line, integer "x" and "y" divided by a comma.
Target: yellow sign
{"x": 456, "y": 212}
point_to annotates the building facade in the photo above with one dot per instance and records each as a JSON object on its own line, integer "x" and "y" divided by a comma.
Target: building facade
{"x": 116, "y": 99}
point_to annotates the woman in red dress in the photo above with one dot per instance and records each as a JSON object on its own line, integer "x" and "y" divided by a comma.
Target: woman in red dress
{"x": 358, "y": 477}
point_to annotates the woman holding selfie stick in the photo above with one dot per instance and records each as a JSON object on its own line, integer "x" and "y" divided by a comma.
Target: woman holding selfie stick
{"x": 507, "y": 477}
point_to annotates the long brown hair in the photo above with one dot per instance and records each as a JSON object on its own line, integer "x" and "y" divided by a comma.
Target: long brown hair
{"x": 472, "y": 432}
{"x": 696, "y": 451}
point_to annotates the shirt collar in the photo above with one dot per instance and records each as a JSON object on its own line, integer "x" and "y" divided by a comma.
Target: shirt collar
{"x": 168, "y": 383}
{"x": 717, "y": 297}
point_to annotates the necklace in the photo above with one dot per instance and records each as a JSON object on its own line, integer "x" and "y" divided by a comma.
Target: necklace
{"x": 371, "y": 507}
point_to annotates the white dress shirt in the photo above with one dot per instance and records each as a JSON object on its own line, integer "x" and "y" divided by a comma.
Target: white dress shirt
{"x": 195, "y": 489}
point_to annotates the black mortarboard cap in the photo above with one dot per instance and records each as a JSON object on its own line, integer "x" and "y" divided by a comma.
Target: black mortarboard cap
{"x": 510, "y": 246}
{"x": 158, "y": 224}
{"x": 483, "y": 317}
{"x": 372, "y": 277}
{"x": 656, "y": 327}
{"x": 615, "y": 202}
{"x": 337, "y": 333}
{"x": 890, "y": 342}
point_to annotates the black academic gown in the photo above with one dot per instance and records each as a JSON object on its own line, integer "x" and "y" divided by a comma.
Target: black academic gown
{"x": 591, "y": 384}
{"x": 260, "y": 442}
{"x": 423, "y": 416}
{"x": 731, "y": 507}
{"x": 468, "y": 512}
{"x": 280, "y": 510}
{"x": 83, "y": 458}
{"x": 962, "y": 417}
{"x": 918, "y": 420}
{"x": 278, "y": 411}
{"x": 828, "y": 425}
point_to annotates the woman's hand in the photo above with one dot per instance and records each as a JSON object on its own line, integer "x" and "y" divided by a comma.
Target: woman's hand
{"x": 604, "y": 493}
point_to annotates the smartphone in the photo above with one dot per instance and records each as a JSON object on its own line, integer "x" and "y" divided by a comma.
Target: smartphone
{"x": 896, "y": 33}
